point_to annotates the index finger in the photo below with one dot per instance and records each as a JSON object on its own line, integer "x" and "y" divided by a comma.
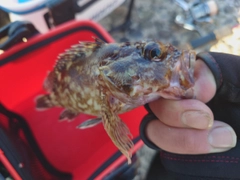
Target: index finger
{"x": 189, "y": 113}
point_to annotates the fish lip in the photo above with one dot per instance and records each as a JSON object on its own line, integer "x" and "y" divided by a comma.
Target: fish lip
{"x": 191, "y": 65}
{"x": 187, "y": 65}
{"x": 176, "y": 93}
{"x": 191, "y": 60}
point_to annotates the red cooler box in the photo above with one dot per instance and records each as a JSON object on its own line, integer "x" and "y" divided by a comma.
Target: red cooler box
{"x": 34, "y": 144}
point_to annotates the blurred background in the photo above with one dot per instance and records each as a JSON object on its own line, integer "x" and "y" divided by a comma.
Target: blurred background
{"x": 158, "y": 19}
{"x": 201, "y": 25}
{"x": 179, "y": 22}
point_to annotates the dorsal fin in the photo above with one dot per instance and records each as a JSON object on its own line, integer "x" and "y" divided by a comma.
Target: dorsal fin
{"x": 98, "y": 41}
{"x": 77, "y": 52}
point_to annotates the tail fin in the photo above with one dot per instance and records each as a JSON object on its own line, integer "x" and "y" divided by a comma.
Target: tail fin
{"x": 43, "y": 102}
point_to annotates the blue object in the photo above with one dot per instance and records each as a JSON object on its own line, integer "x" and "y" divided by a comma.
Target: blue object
{"x": 23, "y": 1}
{"x": 40, "y": 6}
{"x": 1, "y": 177}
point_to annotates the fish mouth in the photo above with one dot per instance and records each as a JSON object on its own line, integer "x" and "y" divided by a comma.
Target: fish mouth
{"x": 176, "y": 93}
{"x": 190, "y": 61}
{"x": 186, "y": 70}
{"x": 182, "y": 79}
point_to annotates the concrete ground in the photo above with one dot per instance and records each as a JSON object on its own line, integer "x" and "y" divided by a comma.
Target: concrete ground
{"x": 154, "y": 19}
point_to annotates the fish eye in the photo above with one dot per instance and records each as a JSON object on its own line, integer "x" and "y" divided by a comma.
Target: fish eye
{"x": 153, "y": 52}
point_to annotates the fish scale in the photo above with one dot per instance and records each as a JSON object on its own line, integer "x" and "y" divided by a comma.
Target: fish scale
{"x": 105, "y": 80}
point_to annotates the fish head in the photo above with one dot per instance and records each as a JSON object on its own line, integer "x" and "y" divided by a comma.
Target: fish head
{"x": 147, "y": 70}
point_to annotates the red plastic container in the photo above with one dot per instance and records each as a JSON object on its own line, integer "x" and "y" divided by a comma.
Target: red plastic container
{"x": 85, "y": 154}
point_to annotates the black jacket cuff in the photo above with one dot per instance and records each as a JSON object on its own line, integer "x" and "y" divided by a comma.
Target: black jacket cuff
{"x": 149, "y": 117}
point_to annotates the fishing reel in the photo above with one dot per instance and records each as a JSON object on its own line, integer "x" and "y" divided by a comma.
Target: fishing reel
{"x": 195, "y": 12}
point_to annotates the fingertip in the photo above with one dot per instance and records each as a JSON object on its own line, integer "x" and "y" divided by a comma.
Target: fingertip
{"x": 221, "y": 137}
{"x": 197, "y": 119}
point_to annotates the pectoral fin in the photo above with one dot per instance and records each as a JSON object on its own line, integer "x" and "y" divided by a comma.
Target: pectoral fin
{"x": 67, "y": 115}
{"x": 117, "y": 130}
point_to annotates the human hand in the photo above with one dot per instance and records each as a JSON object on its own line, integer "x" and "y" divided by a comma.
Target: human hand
{"x": 191, "y": 142}
{"x": 187, "y": 126}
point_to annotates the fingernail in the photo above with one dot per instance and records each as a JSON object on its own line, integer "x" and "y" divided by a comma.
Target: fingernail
{"x": 222, "y": 137}
{"x": 197, "y": 119}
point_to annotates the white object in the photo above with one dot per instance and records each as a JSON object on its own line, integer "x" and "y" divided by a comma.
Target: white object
{"x": 98, "y": 9}
{"x": 34, "y": 10}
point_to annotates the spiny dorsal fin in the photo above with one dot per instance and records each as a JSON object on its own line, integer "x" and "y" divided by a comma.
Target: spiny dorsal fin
{"x": 98, "y": 41}
{"x": 76, "y": 53}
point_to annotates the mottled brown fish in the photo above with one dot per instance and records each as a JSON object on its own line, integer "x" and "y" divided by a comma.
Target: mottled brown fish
{"x": 105, "y": 80}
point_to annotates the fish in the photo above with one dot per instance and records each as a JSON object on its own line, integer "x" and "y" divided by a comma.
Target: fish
{"x": 108, "y": 79}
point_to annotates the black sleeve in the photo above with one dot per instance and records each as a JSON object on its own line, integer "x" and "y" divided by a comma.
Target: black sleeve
{"x": 149, "y": 117}
{"x": 226, "y": 107}
{"x": 226, "y": 103}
